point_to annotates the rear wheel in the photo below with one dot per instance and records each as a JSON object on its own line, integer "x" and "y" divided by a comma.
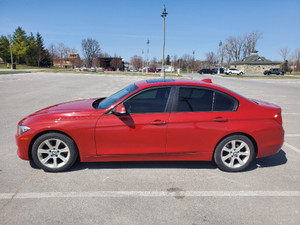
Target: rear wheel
{"x": 54, "y": 152}
{"x": 234, "y": 153}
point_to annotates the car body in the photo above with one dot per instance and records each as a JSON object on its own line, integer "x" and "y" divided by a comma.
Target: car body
{"x": 230, "y": 71}
{"x": 205, "y": 71}
{"x": 276, "y": 71}
{"x": 154, "y": 120}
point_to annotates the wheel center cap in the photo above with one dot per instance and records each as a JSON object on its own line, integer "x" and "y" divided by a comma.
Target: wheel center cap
{"x": 54, "y": 152}
{"x": 234, "y": 153}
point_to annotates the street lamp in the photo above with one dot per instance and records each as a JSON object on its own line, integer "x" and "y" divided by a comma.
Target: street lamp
{"x": 220, "y": 47}
{"x": 11, "y": 55}
{"x": 163, "y": 15}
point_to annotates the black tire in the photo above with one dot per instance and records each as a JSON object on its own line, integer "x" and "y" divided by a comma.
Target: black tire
{"x": 228, "y": 157}
{"x": 54, "y": 152}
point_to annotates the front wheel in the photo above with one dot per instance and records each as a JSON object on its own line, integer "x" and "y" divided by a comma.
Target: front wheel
{"x": 234, "y": 153}
{"x": 54, "y": 152}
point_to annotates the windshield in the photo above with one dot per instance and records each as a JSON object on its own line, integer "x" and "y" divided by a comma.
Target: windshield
{"x": 117, "y": 96}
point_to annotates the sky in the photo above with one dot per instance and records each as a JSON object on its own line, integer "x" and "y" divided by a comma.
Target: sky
{"x": 123, "y": 27}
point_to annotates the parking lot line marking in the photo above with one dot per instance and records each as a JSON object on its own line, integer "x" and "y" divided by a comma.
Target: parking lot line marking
{"x": 292, "y": 135}
{"x": 292, "y": 147}
{"x": 176, "y": 194}
{"x": 290, "y": 113}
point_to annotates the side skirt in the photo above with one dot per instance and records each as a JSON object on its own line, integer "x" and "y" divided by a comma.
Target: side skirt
{"x": 186, "y": 156}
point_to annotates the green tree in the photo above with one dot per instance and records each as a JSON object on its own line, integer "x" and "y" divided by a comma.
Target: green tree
{"x": 168, "y": 62}
{"x": 31, "y": 51}
{"x": 43, "y": 57}
{"x": 285, "y": 66}
{"x": 4, "y": 48}
{"x": 20, "y": 43}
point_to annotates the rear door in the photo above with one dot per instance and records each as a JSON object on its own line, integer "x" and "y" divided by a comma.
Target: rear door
{"x": 198, "y": 120}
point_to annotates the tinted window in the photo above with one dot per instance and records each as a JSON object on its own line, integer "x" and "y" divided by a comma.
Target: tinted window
{"x": 223, "y": 102}
{"x": 150, "y": 101}
{"x": 194, "y": 100}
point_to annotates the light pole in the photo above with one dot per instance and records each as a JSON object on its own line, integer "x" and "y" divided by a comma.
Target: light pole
{"x": 163, "y": 15}
{"x": 193, "y": 62}
{"x": 142, "y": 61}
{"x": 147, "y": 67}
{"x": 11, "y": 55}
{"x": 220, "y": 46}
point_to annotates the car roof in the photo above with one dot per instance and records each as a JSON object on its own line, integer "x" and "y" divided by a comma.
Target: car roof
{"x": 168, "y": 82}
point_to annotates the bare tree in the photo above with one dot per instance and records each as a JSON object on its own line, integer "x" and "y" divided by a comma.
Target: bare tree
{"x": 211, "y": 58}
{"x": 90, "y": 49}
{"x": 136, "y": 61}
{"x": 116, "y": 63}
{"x": 284, "y": 51}
{"x": 52, "y": 51}
{"x": 297, "y": 60}
{"x": 234, "y": 47}
{"x": 187, "y": 62}
{"x": 250, "y": 41}
{"x": 241, "y": 46}
{"x": 297, "y": 54}
{"x": 174, "y": 61}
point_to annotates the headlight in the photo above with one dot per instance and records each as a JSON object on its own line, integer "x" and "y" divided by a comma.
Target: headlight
{"x": 23, "y": 129}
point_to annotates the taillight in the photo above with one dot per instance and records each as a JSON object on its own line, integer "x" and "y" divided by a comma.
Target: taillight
{"x": 278, "y": 118}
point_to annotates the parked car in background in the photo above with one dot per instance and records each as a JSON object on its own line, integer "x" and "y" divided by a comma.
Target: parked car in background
{"x": 154, "y": 120}
{"x": 215, "y": 70}
{"x": 276, "y": 71}
{"x": 150, "y": 70}
{"x": 207, "y": 71}
{"x": 233, "y": 71}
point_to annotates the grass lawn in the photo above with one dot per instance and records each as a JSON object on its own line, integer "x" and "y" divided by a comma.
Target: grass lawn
{"x": 19, "y": 66}
{"x": 13, "y": 72}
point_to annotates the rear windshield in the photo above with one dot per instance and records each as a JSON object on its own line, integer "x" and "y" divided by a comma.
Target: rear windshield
{"x": 117, "y": 96}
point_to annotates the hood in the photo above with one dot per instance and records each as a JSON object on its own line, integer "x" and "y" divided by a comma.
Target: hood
{"x": 73, "y": 106}
{"x": 67, "y": 110}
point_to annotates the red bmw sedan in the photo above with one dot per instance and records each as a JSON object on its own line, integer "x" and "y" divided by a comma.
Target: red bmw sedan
{"x": 154, "y": 120}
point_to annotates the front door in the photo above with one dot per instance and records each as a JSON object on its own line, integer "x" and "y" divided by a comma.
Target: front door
{"x": 141, "y": 131}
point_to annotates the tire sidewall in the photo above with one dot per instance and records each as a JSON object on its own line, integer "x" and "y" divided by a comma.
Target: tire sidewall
{"x": 69, "y": 142}
{"x": 217, "y": 154}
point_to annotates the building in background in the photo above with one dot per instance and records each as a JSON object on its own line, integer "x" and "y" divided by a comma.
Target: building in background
{"x": 73, "y": 61}
{"x": 109, "y": 63}
{"x": 256, "y": 64}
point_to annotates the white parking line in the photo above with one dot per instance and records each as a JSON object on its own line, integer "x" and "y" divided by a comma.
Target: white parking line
{"x": 292, "y": 147}
{"x": 290, "y": 113}
{"x": 176, "y": 194}
{"x": 292, "y": 135}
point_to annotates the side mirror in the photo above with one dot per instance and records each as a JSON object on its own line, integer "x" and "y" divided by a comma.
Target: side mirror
{"x": 119, "y": 110}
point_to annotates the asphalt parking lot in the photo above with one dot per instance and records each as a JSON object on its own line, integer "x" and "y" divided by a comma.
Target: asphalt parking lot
{"x": 145, "y": 192}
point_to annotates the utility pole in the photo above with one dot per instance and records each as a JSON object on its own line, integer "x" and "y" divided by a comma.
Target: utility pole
{"x": 11, "y": 55}
{"x": 163, "y": 15}
{"x": 220, "y": 46}
{"x": 147, "y": 67}
{"x": 193, "y": 62}
{"x": 142, "y": 61}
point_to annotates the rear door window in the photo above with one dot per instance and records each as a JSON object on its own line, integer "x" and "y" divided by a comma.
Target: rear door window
{"x": 192, "y": 99}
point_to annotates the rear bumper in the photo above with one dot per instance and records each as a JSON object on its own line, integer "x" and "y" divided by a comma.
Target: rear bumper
{"x": 271, "y": 142}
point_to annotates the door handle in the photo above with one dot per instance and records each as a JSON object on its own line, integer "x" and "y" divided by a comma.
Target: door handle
{"x": 158, "y": 122}
{"x": 220, "y": 119}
